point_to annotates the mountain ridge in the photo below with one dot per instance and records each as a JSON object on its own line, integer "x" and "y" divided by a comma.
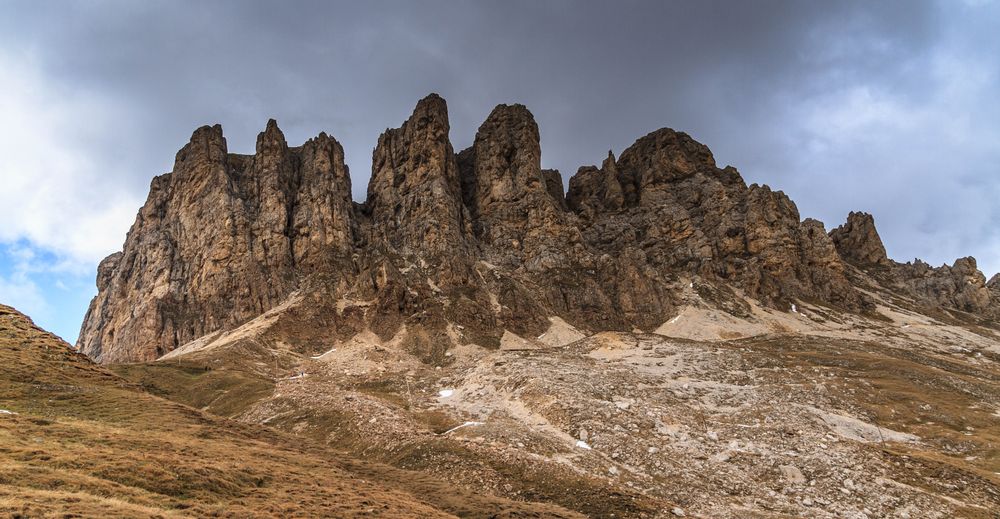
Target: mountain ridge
{"x": 482, "y": 238}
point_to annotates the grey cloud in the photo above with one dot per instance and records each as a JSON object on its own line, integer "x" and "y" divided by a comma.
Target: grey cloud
{"x": 764, "y": 84}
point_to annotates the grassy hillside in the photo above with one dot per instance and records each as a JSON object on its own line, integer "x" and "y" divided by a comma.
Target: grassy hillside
{"x": 77, "y": 440}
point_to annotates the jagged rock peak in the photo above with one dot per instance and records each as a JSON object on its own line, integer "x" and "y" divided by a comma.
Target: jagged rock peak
{"x": 414, "y": 194}
{"x": 512, "y": 129}
{"x": 507, "y": 154}
{"x": 271, "y": 139}
{"x": 961, "y": 286}
{"x": 673, "y": 148}
{"x": 661, "y": 157}
{"x": 207, "y": 144}
{"x": 432, "y": 110}
{"x": 609, "y": 163}
{"x": 858, "y": 241}
{"x": 418, "y": 146}
{"x": 594, "y": 191}
{"x": 967, "y": 265}
{"x": 554, "y": 185}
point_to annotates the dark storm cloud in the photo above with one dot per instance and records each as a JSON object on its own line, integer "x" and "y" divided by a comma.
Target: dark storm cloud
{"x": 888, "y": 107}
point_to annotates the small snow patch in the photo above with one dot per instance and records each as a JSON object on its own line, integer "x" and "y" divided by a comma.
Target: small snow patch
{"x": 795, "y": 309}
{"x": 582, "y": 445}
{"x": 4, "y": 411}
{"x": 466, "y": 424}
{"x": 445, "y": 393}
{"x": 857, "y": 430}
{"x": 320, "y": 356}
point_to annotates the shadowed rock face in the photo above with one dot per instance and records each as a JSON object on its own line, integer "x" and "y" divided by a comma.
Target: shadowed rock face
{"x": 994, "y": 287}
{"x": 484, "y": 240}
{"x": 666, "y": 198}
{"x": 521, "y": 223}
{"x": 554, "y": 185}
{"x": 593, "y": 191}
{"x": 515, "y": 215}
{"x": 414, "y": 196}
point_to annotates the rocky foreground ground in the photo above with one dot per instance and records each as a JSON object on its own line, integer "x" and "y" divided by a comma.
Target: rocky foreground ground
{"x": 798, "y": 414}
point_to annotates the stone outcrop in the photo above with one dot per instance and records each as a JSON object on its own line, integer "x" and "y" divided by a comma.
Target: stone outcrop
{"x": 960, "y": 286}
{"x": 554, "y": 185}
{"x": 593, "y": 191}
{"x": 515, "y": 215}
{"x": 521, "y": 225}
{"x": 858, "y": 242}
{"x": 469, "y": 246}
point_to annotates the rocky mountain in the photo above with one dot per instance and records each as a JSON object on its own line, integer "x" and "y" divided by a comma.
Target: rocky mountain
{"x": 470, "y": 246}
{"x": 659, "y": 340}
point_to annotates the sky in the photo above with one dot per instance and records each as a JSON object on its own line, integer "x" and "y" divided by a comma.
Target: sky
{"x": 889, "y": 107}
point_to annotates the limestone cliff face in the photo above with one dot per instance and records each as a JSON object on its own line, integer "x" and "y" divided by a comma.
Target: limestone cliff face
{"x": 219, "y": 240}
{"x": 593, "y": 191}
{"x": 473, "y": 244}
{"x": 414, "y": 196}
{"x": 515, "y": 215}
